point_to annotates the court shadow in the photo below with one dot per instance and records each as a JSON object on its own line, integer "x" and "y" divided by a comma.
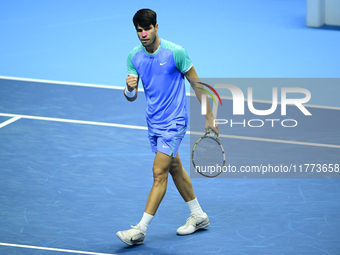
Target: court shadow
{"x": 166, "y": 244}
{"x": 329, "y": 27}
{"x": 140, "y": 250}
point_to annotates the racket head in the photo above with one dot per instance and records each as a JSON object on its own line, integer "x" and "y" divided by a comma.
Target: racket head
{"x": 208, "y": 155}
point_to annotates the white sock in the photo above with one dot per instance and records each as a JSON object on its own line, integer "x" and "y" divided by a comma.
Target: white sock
{"x": 145, "y": 221}
{"x": 195, "y": 207}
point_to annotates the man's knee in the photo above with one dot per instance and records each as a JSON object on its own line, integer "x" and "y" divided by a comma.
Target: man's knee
{"x": 176, "y": 167}
{"x": 160, "y": 174}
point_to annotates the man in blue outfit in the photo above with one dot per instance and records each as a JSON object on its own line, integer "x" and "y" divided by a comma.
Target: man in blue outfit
{"x": 162, "y": 66}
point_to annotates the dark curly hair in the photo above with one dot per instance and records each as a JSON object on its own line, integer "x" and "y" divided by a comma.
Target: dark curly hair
{"x": 145, "y": 18}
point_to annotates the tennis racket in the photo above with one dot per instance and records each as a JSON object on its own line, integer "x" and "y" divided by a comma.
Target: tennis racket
{"x": 208, "y": 155}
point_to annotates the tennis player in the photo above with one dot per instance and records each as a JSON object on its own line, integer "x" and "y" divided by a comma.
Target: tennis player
{"x": 162, "y": 66}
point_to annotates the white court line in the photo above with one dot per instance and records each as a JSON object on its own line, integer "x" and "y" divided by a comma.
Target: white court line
{"x": 65, "y": 83}
{"x": 141, "y": 89}
{"x": 74, "y": 121}
{"x": 188, "y": 132}
{"x": 270, "y": 102}
{"x": 272, "y": 140}
{"x": 52, "y": 249}
{"x": 61, "y": 82}
{"x": 7, "y": 122}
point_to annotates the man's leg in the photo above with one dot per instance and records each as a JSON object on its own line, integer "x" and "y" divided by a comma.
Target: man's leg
{"x": 181, "y": 179}
{"x": 198, "y": 219}
{"x": 160, "y": 170}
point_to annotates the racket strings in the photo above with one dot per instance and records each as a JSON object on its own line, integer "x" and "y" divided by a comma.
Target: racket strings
{"x": 208, "y": 153}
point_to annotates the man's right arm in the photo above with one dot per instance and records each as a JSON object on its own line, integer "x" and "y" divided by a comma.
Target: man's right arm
{"x": 131, "y": 90}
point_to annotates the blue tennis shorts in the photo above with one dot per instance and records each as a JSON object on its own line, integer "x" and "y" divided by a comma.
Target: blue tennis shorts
{"x": 167, "y": 139}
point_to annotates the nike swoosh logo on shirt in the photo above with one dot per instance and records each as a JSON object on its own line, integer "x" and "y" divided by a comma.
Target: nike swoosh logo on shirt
{"x": 163, "y": 63}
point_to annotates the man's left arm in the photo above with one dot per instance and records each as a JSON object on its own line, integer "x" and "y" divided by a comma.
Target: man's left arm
{"x": 194, "y": 80}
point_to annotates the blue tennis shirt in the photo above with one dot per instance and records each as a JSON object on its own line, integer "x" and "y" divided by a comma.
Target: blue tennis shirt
{"x": 162, "y": 75}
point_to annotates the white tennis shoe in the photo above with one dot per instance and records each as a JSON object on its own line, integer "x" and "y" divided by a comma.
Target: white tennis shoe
{"x": 132, "y": 236}
{"x": 194, "y": 223}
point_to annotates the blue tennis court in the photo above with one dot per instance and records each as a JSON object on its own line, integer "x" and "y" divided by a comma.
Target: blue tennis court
{"x": 75, "y": 159}
{"x": 76, "y": 168}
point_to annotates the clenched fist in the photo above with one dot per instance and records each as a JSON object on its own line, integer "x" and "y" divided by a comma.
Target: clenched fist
{"x": 131, "y": 82}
